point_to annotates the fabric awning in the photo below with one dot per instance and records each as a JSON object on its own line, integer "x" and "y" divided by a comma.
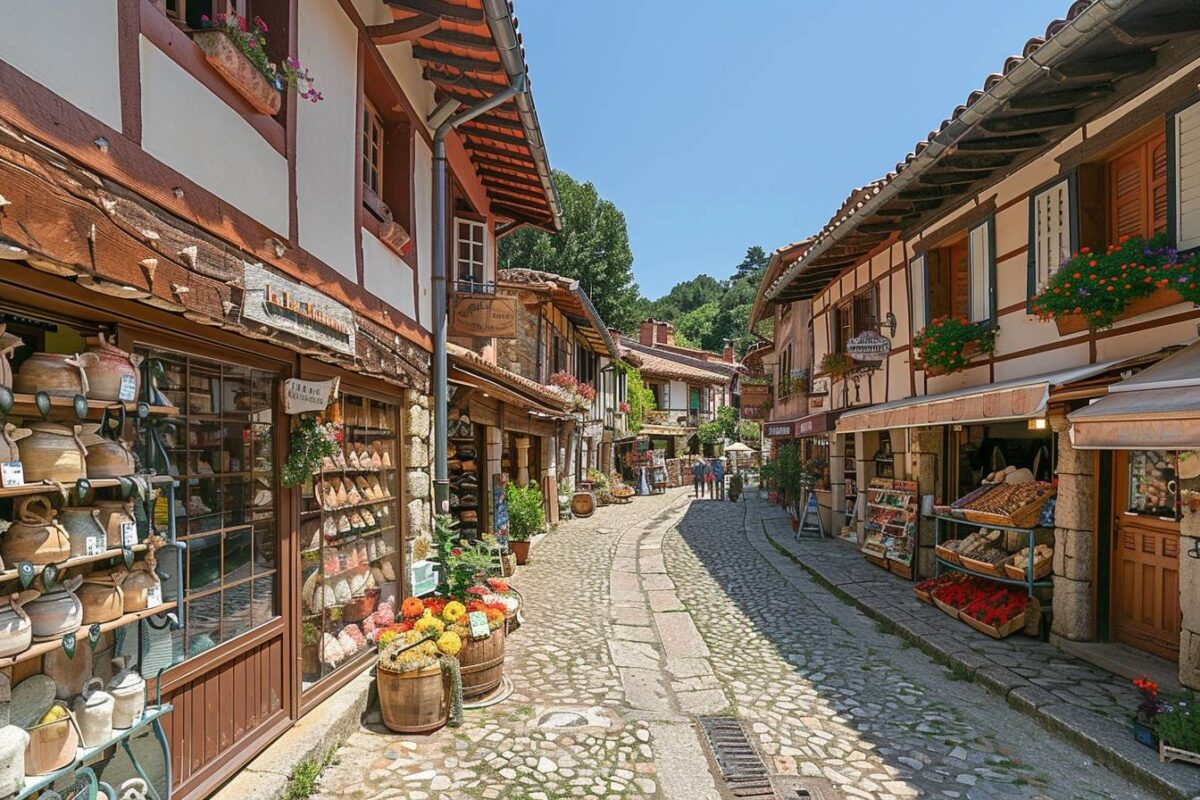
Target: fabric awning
{"x": 1157, "y": 408}
{"x": 1020, "y": 398}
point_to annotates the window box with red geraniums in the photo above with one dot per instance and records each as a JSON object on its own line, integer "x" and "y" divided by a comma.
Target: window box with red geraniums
{"x": 578, "y": 393}
{"x": 947, "y": 344}
{"x": 1095, "y": 290}
{"x": 237, "y": 51}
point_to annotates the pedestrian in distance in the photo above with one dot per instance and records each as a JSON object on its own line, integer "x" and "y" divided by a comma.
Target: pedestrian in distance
{"x": 699, "y": 470}
{"x": 718, "y": 473}
{"x": 708, "y": 479}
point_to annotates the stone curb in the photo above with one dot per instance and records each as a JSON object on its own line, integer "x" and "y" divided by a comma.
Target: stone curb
{"x": 1086, "y": 731}
{"x": 327, "y": 726}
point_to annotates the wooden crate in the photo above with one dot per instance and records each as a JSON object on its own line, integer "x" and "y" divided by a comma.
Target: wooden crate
{"x": 946, "y": 554}
{"x": 951, "y": 610}
{"x": 1041, "y": 568}
{"x": 1008, "y": 629}
{"x": 983, "y": 567}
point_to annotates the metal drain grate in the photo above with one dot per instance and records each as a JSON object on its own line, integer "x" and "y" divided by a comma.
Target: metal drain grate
{"x": 741, "y": 768}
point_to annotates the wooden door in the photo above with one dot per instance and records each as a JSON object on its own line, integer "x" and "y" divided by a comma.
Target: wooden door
{"x": 1145, "y": 579}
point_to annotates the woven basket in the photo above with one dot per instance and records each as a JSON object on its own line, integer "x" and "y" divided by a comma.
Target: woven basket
{"x": 946, "y": 554}
{"x": 1041, "y": 568}
{"x": 949, "y": 609}
{"x": 1007, "y": 629}
{"x": 983, "y": 567}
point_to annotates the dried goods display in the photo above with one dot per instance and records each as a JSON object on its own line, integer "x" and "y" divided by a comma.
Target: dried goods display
{"x": 463, "y": 470}
{"x": 1153, "y": 484}
{"x": 891, "y": 524}
{"x": 1011, "y": 504}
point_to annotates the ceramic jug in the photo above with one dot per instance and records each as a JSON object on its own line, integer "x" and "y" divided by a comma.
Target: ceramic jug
{"x": 35, "y": 535}
{"x": 94, "y": 714}
{"x": 56, "y": 374}
{"x": 114, "y": 377}
{"x": 53, "y": 452}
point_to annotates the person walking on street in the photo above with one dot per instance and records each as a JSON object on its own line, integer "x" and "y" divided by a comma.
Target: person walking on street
{"x": 699, "y": 470}
{"x": 708, "y": 478}
{"x": 718, "y": 473}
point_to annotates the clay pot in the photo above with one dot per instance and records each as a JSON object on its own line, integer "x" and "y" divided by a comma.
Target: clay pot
{"x": 113, "y": 368}
{"x": 520, "y": 550}
{"x": 56, "y": 612}
{"x": 9, "y": 436}
{"x": 53, "y": 452}
{"x": 102, "y": 598}
{"x": 94, "y": 714}
{"x": 35, "y": 535}
{"x": 52, "y": 745}
{"x": 8, "y": 343}
{"x": 70, "y": 673}
{"x": 82, "y": 525}
{"x": 16, "y": 632}
{"x": 128, "y": 689}
{"x": 56, "y": 374}
{"x": 141, "y": 586}
{"x": 107, "y": 458}
{"x": 113, "y": 514}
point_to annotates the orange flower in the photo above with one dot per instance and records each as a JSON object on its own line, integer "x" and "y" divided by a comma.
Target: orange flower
{"x": 412, "y": 607}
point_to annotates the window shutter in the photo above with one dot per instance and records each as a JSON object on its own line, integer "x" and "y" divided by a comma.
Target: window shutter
{"x": 1185, "y": 175}
{"x": 979, "y": 274}
{"x": 1051, "y": 221}
{"x": 918, "y": 281}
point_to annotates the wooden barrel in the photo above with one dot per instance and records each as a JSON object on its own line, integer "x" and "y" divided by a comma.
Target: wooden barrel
{"x": 414, "y": 702}
{"x": 583, "y": 504}
{"x": 482, "y": 663}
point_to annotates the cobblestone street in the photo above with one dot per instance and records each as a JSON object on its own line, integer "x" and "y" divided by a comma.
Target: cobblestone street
{"x": 648, "y": 615}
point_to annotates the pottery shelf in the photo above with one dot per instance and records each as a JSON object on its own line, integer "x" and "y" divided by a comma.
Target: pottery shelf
{"x": 24, "y": 405}
{"x": 355, "y": 470}
{"x": 85, "y": 755}
{"x": 41, "y": 648}
{"x": 98, "y": 483}
{"x": 115, "y": 552}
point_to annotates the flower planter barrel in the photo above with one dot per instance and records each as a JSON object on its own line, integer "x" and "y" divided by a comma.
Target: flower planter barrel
{"x": 482, "y": 663}
{"x": 236, "y": 69}
{"x": 1159, "y": 298}
{"x": 414, "y": 702}
{"x": 583, "y": 504}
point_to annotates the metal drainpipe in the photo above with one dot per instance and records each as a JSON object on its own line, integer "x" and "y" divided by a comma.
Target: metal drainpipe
{"x": 441, "y": 481}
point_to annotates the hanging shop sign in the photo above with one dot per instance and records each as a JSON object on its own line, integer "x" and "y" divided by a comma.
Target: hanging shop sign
{"x": 300, "y": 396}
{"x": 780, "y": 429}
{"x": 869, "y": 346}
{"x": 296, "y": 309}
{"x": 818, "y": 392}
{"x": 499, "y": 508}
{"x": 483, "y": 315}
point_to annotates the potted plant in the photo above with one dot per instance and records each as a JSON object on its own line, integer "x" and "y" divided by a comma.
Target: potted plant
{"x": 947, "y": 344}
{"x": 526, "y": 517}
{"x": 311, "y": 441}
{"x": 1177, "y": 727}
{"x": 1150, "y": 707}
{"x": 237, "y": 51}
{"x": 1137, "y": 275}
{"x": 836, "y": 365}
{"x": 417, "y": 676}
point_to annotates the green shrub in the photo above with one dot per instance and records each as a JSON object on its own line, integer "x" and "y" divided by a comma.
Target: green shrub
{"x": 526, "y": 514}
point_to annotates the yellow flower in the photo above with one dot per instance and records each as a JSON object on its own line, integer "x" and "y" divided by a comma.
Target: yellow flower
{"x": 429, "y": 623}
{"x": 454, "y": 611}
{"x": 449, "y": 643}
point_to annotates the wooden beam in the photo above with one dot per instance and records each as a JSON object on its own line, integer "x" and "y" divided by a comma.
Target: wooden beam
{"x": 440, "y": 8}
{"x": 927, "y": 193}
{"x": 956, "y": 177}
{"x": 520, "y": 215}
{"x": 485, "y": 163}
{"x": 524, "y": 179}
{"x": 496, "y": 122}
{"x": 446, "y": 81}
{"x": 1002, "y": 144}
{"x": 878, "y": 227}
{"x": 513, "y": 198}
{"x": 1136, "y": 29}
{"x": 467, "y": 41}
{"x": 460, "y": 63}
{"x": 1037, "y": 121}
{"x": 495, "y": 137}
{"x": 484, "y": 149}
{"x": 976, "y": 160}
{"x": 1116, "y": 66}
{"x": 403, "y": 30}
{"x": 1064, "y": 98}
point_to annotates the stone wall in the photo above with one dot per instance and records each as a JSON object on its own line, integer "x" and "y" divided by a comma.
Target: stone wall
{"x": 928, "y": 457}
{"x": 519, "y": 355}
{"x": 1074, "y": 536}
{"x": 418, "y": 475}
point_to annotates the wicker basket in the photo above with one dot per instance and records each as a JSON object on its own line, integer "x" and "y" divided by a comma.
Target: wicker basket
{"x": 1024, "y": 517}
{"x": 924, "y": 597}
{"x": 1041, "y": 568}
{"x": 1007, "y": 629}
{"x": 949, "y": 609}
{"x": 983, "y": 567}
{"x": 956, "y": 508}
{"x": 946, "y": 554}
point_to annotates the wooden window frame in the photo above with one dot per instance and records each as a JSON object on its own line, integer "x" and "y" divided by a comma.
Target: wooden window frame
{"x": 989, "y": 268}
{"x": 1142, "y": 146}
{"x": 373, "y": 143}
{"x": 474, "y": 225}
{"x": 395, "y": 198}
{"x": 1173, "y": 211}
{"x": 1033, "y": 280}
{"x": 918, "y": 267}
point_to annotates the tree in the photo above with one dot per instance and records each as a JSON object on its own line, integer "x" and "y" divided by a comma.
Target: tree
{"x": 593, "y": 247}
{"x": 692, "y": 328}
{"x": 686, "y": 297}
{"x": 756, "y": 260}
{"x": 637, "y": 394}
{"x": 749, "y": 431}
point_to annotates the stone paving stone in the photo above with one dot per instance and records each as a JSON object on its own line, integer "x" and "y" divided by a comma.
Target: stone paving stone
{"x": 679, "y": 636}
{"x": 664, "y": 601}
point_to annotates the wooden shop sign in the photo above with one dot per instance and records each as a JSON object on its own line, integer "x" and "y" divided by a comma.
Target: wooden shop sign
{"x": 293, "y": 308}
{"x": 300, "y": 396}
{"x": 483, "y": 315}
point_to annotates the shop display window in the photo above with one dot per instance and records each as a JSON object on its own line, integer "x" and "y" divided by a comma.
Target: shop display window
{"x": 221, "y": 448}
{"x": 1153, "y": 485}
{"x": 350, "y": 536}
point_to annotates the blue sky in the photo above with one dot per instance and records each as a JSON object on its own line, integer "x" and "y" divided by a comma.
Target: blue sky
{"x": 718, "y": 125}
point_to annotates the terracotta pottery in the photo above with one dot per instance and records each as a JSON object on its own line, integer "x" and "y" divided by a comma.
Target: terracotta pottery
{"x": 113, "y": 514}
{"x": 359, "y": 608}
{"x": 8, "y": 343}
{"x": 114, "y": 369}
{"x": 9, "y": 436}
{"x": 56, "y": 612}
{"x": 520, "y": 550}
{"x": 52, "y": 745}
{"x": 70, "y": 673}
{"x": 56, "y": 374}
{"x": 16, "y": 632}
{"x": 35, "y": 534}
{"x": 128, "y": 689}
{"x": 82, "y": 524}
{"x": 236, "y": 69}
{"x": 414, "y": 702}
{"x": 106, "y": 458}
{"x": 140, "y": 585}
{"x": 482, "y": 663}
{"x": 53, "y": 452}
{"x": 102, "y": 598}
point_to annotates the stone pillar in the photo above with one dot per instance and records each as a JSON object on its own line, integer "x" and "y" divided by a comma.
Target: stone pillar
{"x": 927, "y": 458}
{"x": 1074, "y": 538}
{"x": 418, "y": 481}
{"x": 522, "y": 445}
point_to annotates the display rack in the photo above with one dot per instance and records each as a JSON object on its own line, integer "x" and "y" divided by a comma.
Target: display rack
{"x": 1029, "y": 581}
{"x": 463, "y": 470}
{"x": 891, "y": 525}
{"x": 850, "y": 477}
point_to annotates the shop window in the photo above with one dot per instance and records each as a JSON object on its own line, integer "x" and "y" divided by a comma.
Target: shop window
{"x": 470, "y": 254}
{"x": 1137, "y": 190}
{"x": 959, "y": 277}
{"x": 350, "y": 539}
{"x": 221, "y": 448}
{"x": 1153, "y": 484}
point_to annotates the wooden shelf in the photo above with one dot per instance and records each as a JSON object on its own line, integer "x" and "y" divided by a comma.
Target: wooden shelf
{"x": 12, "y": 574}
{"x": 41, "y": 648}
{"x": 24, "y": 405}
{"x": 48, "y": 488}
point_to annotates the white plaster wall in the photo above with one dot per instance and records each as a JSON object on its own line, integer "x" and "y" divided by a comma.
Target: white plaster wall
{"x": 196, "y": 133}
{"x": 679, "y": 396}
{"x": 387, "y": 276}
{"x": 326, "y": 135}
{"x": 423, "y": 191}
{"x": 408, "y": 74}
{"x": 70, "y": 47}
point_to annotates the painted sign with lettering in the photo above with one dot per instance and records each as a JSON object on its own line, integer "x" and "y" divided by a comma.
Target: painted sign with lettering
{"x": 483, "y": 315}
{"x": 294, "y": 308}
{"x": 869, "y": 346}
{"x": 304, "y": 396}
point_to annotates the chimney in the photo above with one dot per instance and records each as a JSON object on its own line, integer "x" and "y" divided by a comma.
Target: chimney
{"x": 727, "y": 355}
{"x": 666, "y": 333}
{"x": 646, "y": 333}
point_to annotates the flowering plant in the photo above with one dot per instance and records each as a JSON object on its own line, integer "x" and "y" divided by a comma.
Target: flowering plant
{"x": 312, "y": 441}
{"x": 251, "y": 41}
{"x": 576, "y": 391}
{"x": 1190, "y": 500}
{"x": 1177, "y": 724}
{"x": 947, "y": 342}
{"x": 1100, "y": 286}
{"x": 624, "y": 408}
{"x": 1152, "y": 705}
{"x": 835, "y": 365}
{"x": 997, "y": 608}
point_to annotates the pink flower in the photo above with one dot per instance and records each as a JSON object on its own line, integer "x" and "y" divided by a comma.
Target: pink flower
{"x": 260, "y": 24}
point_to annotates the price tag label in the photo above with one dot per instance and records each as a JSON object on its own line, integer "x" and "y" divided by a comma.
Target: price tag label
{"x": 479, "y": 625}
{"x": 11, "y": 474}
{"x": 95, "y": 545}
{"x": 128, "y": 389}
{"x": 154, "y": 596}
{"x": 129, "y": 534}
